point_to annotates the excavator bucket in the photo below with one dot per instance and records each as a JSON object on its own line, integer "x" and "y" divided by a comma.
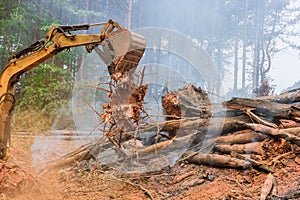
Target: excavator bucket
{"x": 122, "y": 51}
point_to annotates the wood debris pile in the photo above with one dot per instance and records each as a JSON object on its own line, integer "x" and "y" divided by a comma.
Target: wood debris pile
{"x": 259, "y": 133}
{"x": 263, "y": 127}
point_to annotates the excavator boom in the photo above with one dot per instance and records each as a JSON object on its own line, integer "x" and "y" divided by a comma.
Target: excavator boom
{"x": 121, "y": 51}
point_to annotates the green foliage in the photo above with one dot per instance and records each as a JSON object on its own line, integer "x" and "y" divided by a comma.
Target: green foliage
{"x": 46, "y": 87}
{"x": 44, "y": 91}
{"x": 21, "y": 24}
{"x": 47, "y": 27}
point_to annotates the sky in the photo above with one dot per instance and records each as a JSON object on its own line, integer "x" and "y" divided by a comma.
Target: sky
{"x": 286, "y": 65}
{"x": 285, "y": 70}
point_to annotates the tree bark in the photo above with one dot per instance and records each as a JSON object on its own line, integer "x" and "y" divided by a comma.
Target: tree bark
{"x": 216, "y": 160}
{"x": 275, "y": 132}
{"x": 254, "y": 147}
{"x": 288, "y": 97}
{"x": 245, "y": 46}
{"x": 236, "y": 59}
{"x": 260, "y": 107}
{"x": 246, "y": 136}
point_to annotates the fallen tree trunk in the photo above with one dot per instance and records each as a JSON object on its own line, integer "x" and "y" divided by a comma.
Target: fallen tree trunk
{"x": 275, "y": 132}
{"x": 286, "y": 123}
{"x": 216, "y": 160}
{"x": 288, "y": 97}
{"x": 294, "y": 131}
{"x": 295, "y": 112}
{"x": 161, "y": 145}
{"x": 260, "y": 107}
{"x": 184, "y": 124}
{"x": 249, "y": 148}
{"x": 241, "y": 137}
{"x": 221, "y": 126}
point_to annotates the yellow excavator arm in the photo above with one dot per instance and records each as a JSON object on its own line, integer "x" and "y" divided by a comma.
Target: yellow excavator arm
{"x": 121, "y": 51}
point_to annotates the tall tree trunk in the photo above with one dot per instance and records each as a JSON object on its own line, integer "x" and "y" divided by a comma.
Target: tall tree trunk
{"x": 236, "y": 59}
{"x": 262, "y": 40}
{"x": 36, "y": 28}
{"x": 129, "y": 13}
{"x": 219, "y": 58}
{"x": 267, "y": 48}
{"x": 245, "y": 46}
{"x": 258, "y": 44}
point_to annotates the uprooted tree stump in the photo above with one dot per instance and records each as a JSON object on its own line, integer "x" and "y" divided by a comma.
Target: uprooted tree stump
{"x": 188, "y": 102}
{"x": 125, "y": 111}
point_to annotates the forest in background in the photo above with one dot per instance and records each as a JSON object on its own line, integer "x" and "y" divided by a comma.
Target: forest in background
{"x": 243, "y": 35}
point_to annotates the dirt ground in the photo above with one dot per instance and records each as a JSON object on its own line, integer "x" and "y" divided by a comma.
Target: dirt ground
{"x": 183, "y": 181}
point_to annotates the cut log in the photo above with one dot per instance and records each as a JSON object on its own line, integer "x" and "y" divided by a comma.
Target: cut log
{"x": 220, "y": 112}
{"x": 288, "y": 97}
{"x": 294, "y": 131}
{"x": 158, "y": 146}
{"x": 220, "y": 126}
{"x": 232, "y": 124}
{"x": 275, "y": 132}
{"x": 184, "y": 124}
{"x": 242, "y": 137}
{"x": 254, "y": 147}
{"x": 216, "y": 160}
{"x": 295, "y": 112}
{"x": 264, "y": 108}
{"x": 287, "y": 123}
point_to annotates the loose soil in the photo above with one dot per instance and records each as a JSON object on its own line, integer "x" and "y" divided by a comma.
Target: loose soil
{"x": 183, "y": 181}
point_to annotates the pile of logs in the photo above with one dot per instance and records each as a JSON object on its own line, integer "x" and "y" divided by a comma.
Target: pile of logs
{"x": 245, "y": 133}
{"x": 255, "y": 132}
